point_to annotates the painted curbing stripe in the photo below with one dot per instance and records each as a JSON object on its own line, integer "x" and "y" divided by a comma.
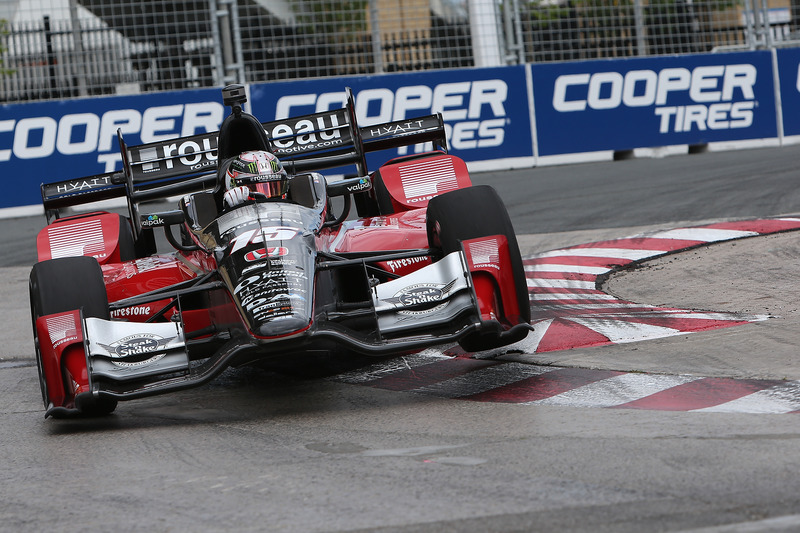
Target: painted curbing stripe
{"x": 563, "y": 290}
{"x": 514, "y": 378}
{"x": 704, "y": 234}
{"x": 655, "y": 245}
{"x": 576, "y": 276}
{"x": 572, "y": 296}
{"x": 530, "y": 344}
{"x": 700, "y": 394}
{"x": 783, "y": 398}
{"x": 613, "y": 306}
{"x": 541, "y": 386}
{"x": 615, "y": 390}
{"x": 600, "y": 262}
{"x": 555, "y": 267}
{"x": 611, "y": 253}
{"x": 560, "y": 283}
{"x": 622, "y": 332}
{"x": 483, "y": 380}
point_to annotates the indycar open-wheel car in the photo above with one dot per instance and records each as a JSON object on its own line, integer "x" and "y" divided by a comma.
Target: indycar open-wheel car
{"x": 285, "y": 282}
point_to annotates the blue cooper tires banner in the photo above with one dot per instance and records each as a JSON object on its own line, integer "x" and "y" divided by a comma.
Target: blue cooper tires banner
{"x": 485, "y": 110}
{"x": 789, "y": 76}
{"x": 60, "y": 140}
{"x": 655, "y": 101}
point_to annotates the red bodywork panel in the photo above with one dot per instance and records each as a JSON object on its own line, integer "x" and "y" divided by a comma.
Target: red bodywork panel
{"x": 137, "y": 277}
{"x": 401, "y": 231}
{"x": 413, "y": 181}
{"x": 64, "y": 351}
{"x": 489, "y": 262}
{"x": 94, "y": 235}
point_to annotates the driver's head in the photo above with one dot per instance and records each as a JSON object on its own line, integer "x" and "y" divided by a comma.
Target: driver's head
{"x": 261, "y": 171}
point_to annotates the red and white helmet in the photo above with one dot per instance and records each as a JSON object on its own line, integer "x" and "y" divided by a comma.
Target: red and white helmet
{"x": 260, "y": 171}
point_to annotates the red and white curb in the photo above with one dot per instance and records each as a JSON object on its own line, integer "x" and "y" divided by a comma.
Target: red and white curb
{"x": 570, "y": 311}
{"x": 502, "y": 381}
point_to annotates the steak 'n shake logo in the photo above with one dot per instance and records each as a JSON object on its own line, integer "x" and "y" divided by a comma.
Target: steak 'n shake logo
{"x": 421, "y": 298}
{"x": 137, "y": 350}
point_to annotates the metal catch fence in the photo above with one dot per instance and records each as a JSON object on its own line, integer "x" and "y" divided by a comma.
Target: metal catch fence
{"x": 53, "y": 49}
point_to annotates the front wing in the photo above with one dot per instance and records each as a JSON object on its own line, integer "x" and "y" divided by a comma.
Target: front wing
{"x": 125, "y": 360}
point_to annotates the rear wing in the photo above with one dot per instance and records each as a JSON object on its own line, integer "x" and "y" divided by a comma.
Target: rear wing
{"x": 313, "y": 142}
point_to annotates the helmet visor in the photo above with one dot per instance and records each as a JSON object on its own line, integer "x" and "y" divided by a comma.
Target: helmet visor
{"x": 271, "y": 189}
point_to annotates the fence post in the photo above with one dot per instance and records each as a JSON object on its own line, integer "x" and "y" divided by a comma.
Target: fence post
{"x": 518, "y": 33}
{"x": 219, "y": 66}
{"x": 233, "y": 10}
{"x": 766, "y": 24}
{"x": 374, "y": 21}
{"x": 638, "y": 18}
{"x": 51, "y": 57}
{"x": 227, "y": 43}
{"x": 485, "y": 38}
{"x": 80, "y": 56}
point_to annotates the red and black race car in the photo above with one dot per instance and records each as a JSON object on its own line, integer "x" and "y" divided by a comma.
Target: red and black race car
{"x": 430, "y": 260}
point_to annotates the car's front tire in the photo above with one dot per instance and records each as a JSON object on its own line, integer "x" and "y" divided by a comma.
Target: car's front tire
{"x": 472, "y": 213}
{"x": 67, "y": 284}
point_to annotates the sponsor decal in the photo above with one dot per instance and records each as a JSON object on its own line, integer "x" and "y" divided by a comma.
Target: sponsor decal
{"x": 485, "y": 254}
{"x": 474, "y": 111}
{"x": 722, "y": 96}
{"x": 137, "y": 310}
{"x": 292, "y": 136}
{"x": 137, "y": 350}
{"x": 420, "y": 295}
{"x": 77, "y": 238}
{"x": 426, "y": 298}
{"x": 395, "y": 129}
{"x": 396, "y": 264}
{"x": 254, "y": 236}
{"x": 62, "y": 329}
{"x": 152, "y": 221}
{"x": 263, "y": 253}
{"x": 267, "y": 294}
{"x": 80, "y": 185}
{"x": 422, "y": 181}
{"x": 90, "y": 132}
{"x": 362, "y": 185}
{"x": 195, "y": 153}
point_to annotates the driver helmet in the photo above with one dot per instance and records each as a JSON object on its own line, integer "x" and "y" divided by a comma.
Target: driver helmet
{"x": 260, "y": 171}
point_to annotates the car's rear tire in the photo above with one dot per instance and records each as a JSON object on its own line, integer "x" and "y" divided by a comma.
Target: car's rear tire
{"x": 66, "y": 284}
{"x": 472, "y": 213}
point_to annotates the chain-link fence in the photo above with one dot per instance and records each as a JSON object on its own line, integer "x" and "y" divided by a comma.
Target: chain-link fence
{"x": 68, "y": 48}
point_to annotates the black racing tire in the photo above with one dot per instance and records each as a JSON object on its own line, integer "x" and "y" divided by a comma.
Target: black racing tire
{"x": 471, "y": 213}
{"x": 66, "y": 284}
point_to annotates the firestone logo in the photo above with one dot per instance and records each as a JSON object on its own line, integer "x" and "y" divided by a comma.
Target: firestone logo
{"x": 474, "y": 111}
{"x": 723, "y": 95}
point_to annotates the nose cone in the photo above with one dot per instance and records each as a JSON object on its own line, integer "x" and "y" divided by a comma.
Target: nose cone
{"x": 281, "y": 326}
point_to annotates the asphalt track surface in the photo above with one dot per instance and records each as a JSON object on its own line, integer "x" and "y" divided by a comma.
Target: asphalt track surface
{"x": 410, "y": 445}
